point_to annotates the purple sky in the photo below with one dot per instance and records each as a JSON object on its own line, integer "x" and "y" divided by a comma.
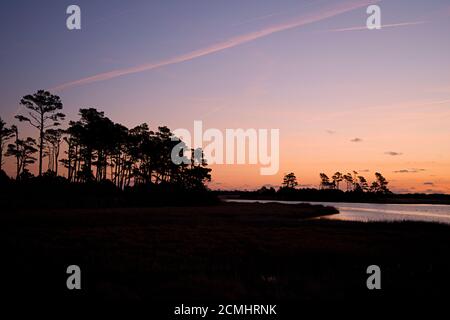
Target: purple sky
{"x": 308, "y": 68}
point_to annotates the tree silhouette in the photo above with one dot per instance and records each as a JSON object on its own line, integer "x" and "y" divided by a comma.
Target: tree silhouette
{"x": 362, "y": 185}
{"x": 197, "y": 174}
{"x": 142, "y": 154}
{"x": 23, "y": 151}
{"x": 355, "y": 183}
{"x": 5, "y": 134}
{"x": 348, "y": 178}
{"x": 290, "y": 181}
{"x": 53, "y": 138}
{"x": 337, "y": 178}
{"x": 16, "y": 141}
{"x": 374, "y": 187}
{"x": 43, "y": 114}
{"x": 382, "y": 183}
{"x": 135, "y": 156}
{"x": 325, "y": 182}
{"x": 90, "y": 137}
{"x": 355, "y": 176}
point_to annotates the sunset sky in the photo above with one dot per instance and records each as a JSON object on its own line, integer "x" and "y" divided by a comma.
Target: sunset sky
{"x": 344, "y": 97}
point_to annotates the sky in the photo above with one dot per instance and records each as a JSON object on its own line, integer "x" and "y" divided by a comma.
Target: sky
{"x": 343, "y": 97}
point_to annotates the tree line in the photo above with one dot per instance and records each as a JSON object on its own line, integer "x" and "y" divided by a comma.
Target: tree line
{"x": 97, "y": 149}
{"x": 353, "y": 181}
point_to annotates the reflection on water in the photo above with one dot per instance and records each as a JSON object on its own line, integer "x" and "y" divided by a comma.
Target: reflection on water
{"x": 379, "y": 211}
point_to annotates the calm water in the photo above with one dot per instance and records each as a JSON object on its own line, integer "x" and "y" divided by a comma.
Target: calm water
{"x": 379, "y": 212}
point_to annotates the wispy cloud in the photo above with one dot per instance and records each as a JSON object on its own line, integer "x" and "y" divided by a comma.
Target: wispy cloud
{"x": 429, "y": 183}
{"x": 435, "y": 191}
{"x": 411, "y": 170}
{"x": 331, "y": 131}
{"x": 230, "y": 43}
{"x": 402, "y": 171}
{"x": 383, "y": 26}
{"x": 356, "y": 140}
{"x": 393, "y": 153}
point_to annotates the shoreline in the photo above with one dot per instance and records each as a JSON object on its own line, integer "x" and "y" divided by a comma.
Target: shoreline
{"x": 387, "y": 201}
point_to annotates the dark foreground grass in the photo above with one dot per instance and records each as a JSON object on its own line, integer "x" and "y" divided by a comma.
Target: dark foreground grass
{"x": 229, "y": 252}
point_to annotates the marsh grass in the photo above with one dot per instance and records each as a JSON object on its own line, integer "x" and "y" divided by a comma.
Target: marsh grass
{"x": 228, "y": 252}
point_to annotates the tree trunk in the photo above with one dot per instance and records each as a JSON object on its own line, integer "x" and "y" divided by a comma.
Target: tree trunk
{"x": 17, "y": 156}
{"x": 56, "y": 159}
{"x": 41, "y": 143}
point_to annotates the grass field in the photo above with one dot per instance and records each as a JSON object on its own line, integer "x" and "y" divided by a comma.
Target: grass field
{"x": 227, "y": 252}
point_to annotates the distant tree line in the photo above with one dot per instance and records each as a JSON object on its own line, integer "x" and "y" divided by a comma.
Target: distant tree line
{"x": 353, "y": 182}
{"x": 97, "y": 149}
{"x": 356, "y": 189}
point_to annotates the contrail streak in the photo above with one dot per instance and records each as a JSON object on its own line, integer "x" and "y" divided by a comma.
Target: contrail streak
{"x": 403, "y": 24}
{"x": 230, "y": 43}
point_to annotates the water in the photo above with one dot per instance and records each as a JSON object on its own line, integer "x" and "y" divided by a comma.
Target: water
{"x": 379, "y": 212}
